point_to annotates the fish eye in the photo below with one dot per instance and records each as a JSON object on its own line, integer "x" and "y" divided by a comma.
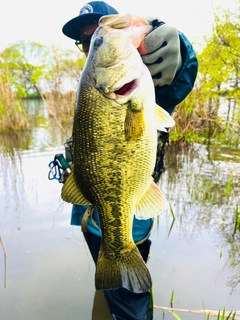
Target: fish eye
{"x": 98, "y": 42}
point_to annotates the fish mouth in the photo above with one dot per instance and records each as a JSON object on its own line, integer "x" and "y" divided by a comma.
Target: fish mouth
{"x": 127, "y": 88}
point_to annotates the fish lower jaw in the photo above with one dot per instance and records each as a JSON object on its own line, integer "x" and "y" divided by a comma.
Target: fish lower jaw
{"x": 127, "y": 88}
{"x": 123, "y": 94}
{"x": 118, "y": 98}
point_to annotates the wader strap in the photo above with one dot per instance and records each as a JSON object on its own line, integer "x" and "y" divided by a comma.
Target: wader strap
{"x": 87, "y": 214}
{"x": 95, "y": 224}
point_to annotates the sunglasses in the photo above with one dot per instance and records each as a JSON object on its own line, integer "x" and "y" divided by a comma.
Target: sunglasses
{"x": 83, "y": 44}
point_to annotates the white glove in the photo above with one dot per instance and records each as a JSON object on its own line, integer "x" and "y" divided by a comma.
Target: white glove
{"x": 163, "y": 57}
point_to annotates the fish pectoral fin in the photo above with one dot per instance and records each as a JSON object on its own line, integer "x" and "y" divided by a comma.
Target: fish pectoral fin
{"x": 152, "y": 203}
{"x": 134, "y": 124}
{"x": 128, "y": 271}
{"x": 163, "y": 119}
{"x": 71, "y": 193}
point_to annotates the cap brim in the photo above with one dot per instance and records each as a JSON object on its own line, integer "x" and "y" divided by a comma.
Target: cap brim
{"x": 72, "y": 28}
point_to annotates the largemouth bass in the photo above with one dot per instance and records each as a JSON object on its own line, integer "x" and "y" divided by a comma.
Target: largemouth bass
{"x": 114, "y": 142}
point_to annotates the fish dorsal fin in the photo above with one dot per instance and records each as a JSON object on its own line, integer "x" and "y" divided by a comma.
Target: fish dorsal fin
{"x": 163, "y": 119}
{"x": 71, "y": 193}
{"x": 152, "y": 203}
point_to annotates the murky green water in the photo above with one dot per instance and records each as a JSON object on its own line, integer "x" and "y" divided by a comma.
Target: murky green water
{"x": 49, "y": 271}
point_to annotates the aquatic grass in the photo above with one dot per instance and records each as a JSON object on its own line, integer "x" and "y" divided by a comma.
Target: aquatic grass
{"x": 5, "y": 263}
{"x": 220, "y": 315}
{"x": 228, "y": 187}
{"x": 237, "y": 219}
{"x": 172, "y": 212}
{"x": 151, "y": 305}
{"x": 176, "y": 316}
{"x": 180, "y": 218}
{"x": 171, "y": 300}
{"x": 224, "y": 316}
{"x": 12, "y": 114}
{"x": 206, "y": 316}
{"x": 171, "y": 227}
{"x": 174, "y": 218}
{"x": 61, "y": 106}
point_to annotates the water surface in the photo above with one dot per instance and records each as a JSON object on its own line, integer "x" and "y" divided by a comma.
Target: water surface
{"x": 49, "y": 271}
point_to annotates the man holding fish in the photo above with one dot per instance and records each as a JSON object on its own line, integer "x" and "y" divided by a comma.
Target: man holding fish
{"x": 137, "y": 70}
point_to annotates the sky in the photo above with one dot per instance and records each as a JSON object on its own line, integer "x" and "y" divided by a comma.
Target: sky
{"x": 42, "y": 21}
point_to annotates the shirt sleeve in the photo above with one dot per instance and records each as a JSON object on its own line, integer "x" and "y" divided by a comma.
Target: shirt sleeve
{"x": 169, "y": 96}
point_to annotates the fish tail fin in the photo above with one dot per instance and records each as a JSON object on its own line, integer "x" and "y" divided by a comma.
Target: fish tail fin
{"x": 129, "y": 272}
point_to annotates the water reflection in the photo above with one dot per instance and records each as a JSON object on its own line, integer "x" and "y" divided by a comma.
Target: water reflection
{"x": 199, "y": 258}
{"x": 46, "y": 137}
{"x": 203, "y": 188}
{"x": 12, "y": 181}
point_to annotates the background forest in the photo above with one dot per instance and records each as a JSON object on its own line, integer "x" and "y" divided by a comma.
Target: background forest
{"x": 29, "y": 70}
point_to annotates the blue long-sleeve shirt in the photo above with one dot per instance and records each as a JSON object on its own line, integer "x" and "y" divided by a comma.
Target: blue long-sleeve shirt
{"x": 167, "y": 97}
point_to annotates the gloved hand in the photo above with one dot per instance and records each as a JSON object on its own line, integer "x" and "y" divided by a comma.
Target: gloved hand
{"x": 162, "y": 52}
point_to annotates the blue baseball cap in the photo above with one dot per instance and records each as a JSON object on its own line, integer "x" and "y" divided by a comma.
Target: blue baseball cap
{"x": 90, "y": 13}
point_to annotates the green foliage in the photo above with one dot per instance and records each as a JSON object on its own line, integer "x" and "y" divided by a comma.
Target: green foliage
{"x": 29, "y": 69}
{"x": 175, "y": 315}
{"x": 219, "y": 61}
{"x": 217, "y": 83}
{"x": 171, "y": 300}
{"x": 24, "y": 60}
{"x": 186, "y": 120}
{"x": 63, "y": 69}
{"x": 12, "y": 113}
{"x": 237, "y": 219}
{"x": 61, "y": 80}
{"x": 229, "y": 187}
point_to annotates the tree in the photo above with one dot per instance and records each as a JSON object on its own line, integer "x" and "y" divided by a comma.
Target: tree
{"x": 217, "y": 83}
{"x": 63, "y": 69}
{"x": 62, "y": 74}
{"x": 24, "y": 61}
{"x": 220, "y": 60}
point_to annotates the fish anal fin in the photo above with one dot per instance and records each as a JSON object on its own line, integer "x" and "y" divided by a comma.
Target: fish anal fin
{"x": 71, "y": 193}
{"x": 129, "y": 271}
{"x": 152, "y": 203}
{"x": 163, "y": 119}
